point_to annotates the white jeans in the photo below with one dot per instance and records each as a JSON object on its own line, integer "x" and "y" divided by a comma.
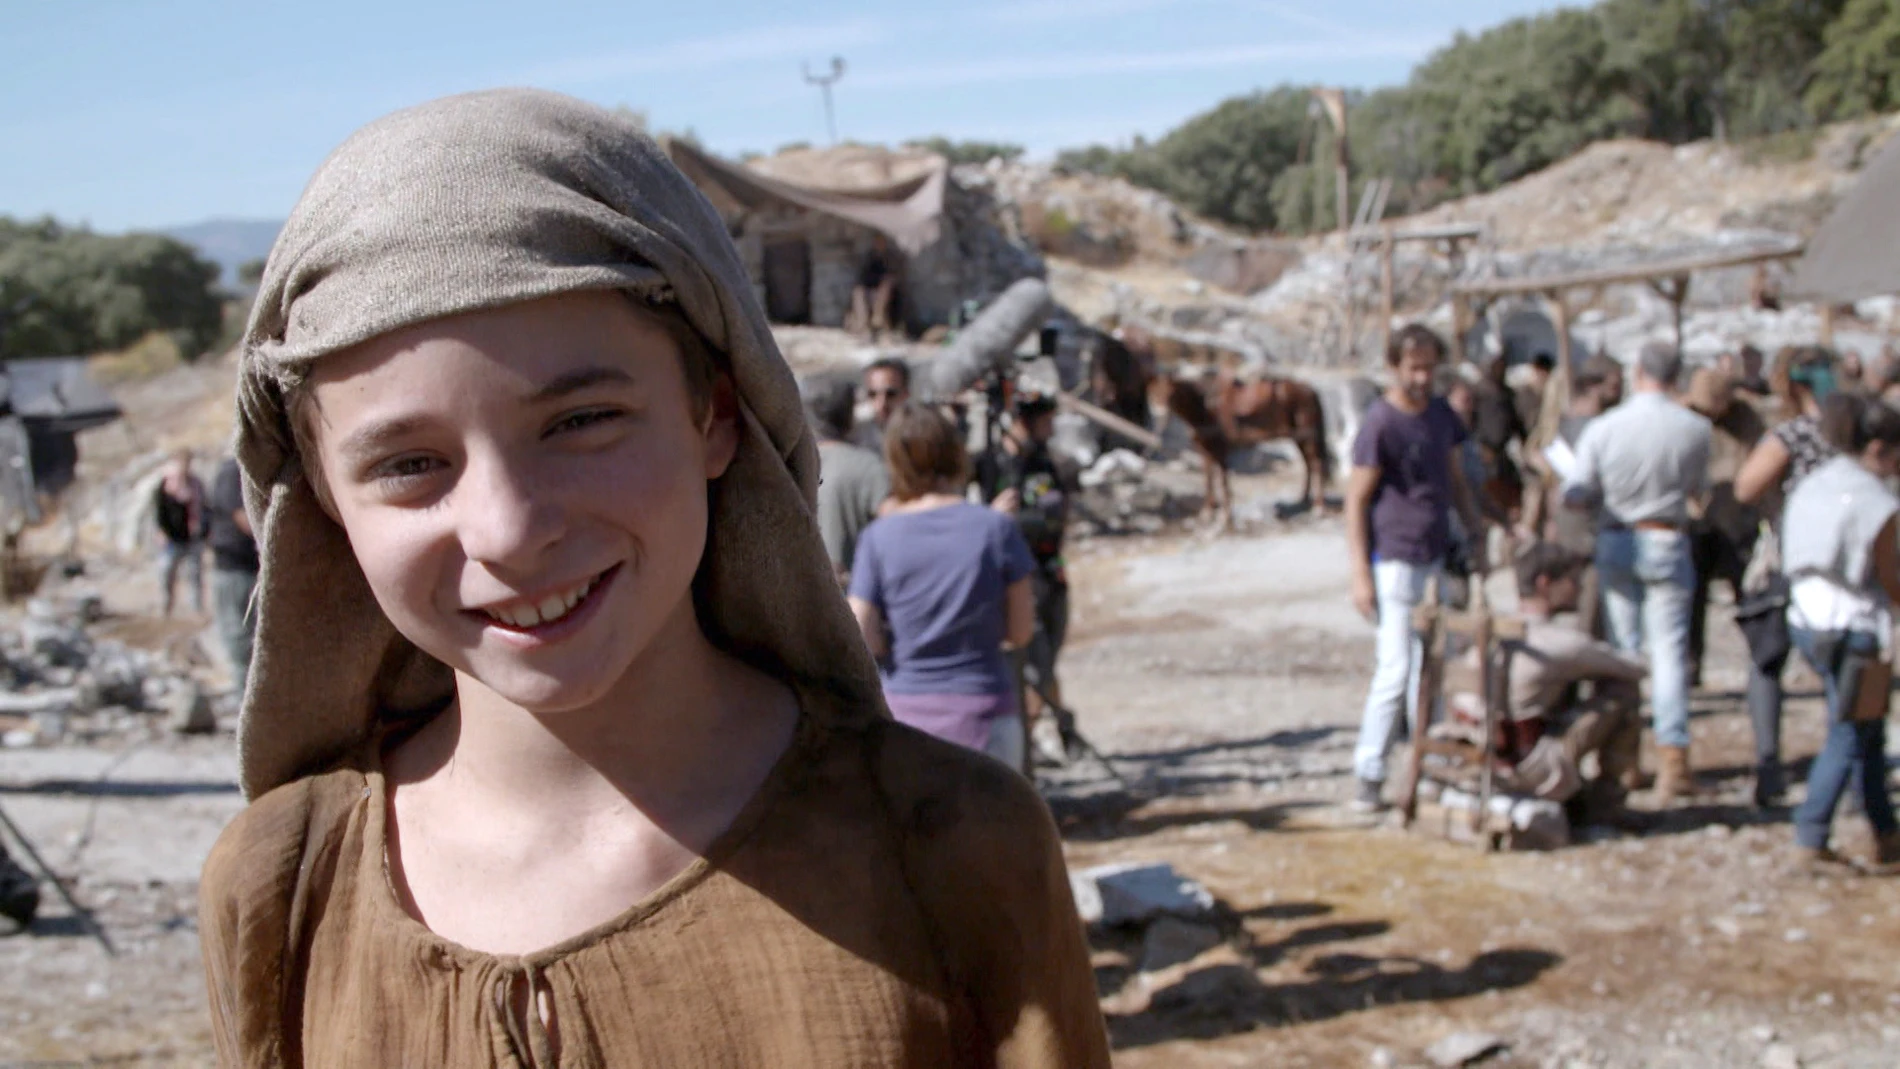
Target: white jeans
{"x": 1400, "y": 586}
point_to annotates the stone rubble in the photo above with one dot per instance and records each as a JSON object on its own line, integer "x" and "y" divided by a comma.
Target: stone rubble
{"x": 1136, "y": 892}
{"x": 58, "y": 681}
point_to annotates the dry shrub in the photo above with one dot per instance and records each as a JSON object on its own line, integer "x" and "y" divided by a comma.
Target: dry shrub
{"x": 154, "y": 354}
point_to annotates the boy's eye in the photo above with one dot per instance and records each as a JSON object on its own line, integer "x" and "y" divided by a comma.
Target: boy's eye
{"x": 403, "y": 469}
{"x": 591, "y": 417}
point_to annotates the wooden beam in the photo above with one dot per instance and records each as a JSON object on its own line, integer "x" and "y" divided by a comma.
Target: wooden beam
{"x": 1827, "y": 325}
{"x": 1110, "y": 420}
{"x": 1635, "y": 273}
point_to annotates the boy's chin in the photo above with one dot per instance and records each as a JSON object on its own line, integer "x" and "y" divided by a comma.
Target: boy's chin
{"x": 546, "y": 693}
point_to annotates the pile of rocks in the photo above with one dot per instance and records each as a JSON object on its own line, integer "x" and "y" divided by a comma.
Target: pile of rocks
{"x": 1122, "y": 493}
{"x": 58, "y": 682}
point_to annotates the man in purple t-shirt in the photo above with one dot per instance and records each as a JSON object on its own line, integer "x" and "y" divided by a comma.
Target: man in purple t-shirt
{"x": 1403, "y": 486}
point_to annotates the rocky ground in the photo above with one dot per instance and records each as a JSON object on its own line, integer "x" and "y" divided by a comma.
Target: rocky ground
{"x": 1221, "y": 678}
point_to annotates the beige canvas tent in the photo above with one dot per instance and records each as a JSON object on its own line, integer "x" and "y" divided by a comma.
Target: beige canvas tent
{"x": 1856, "y": 252}
{"x": 805, "y": 235}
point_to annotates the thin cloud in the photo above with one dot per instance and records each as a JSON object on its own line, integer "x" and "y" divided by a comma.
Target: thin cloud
{"x": 775, "y": 42}
{"x": 1037, "y": 12}
{"x": 1299, "y": 16}
{"x": 1045, "y": 68}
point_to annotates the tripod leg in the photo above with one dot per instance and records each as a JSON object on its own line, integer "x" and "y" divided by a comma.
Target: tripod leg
{"x": 85, "y": 915}
{"x": 1065, "y": 722}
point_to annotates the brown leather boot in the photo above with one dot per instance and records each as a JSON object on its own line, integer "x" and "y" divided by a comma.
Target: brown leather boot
{"x": 1673, "y": 781}
{"x": 1887, "y": 851}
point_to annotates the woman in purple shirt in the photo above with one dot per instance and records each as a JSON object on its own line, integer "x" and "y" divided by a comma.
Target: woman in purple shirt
{"x": 939, "y": 587}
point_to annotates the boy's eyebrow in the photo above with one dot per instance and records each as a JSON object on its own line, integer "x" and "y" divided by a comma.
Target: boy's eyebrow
{"x": 578, "y": 380}
{"x": 368, "y": 440}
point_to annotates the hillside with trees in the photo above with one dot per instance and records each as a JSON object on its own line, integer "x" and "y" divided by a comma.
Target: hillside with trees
{"x": 1492, "y": 107}
{"x": 67, "y": 290}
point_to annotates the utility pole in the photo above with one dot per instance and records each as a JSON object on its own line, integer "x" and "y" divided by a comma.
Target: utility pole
{"x": 1334, "y": 103}
{"x": 824, "y": 82}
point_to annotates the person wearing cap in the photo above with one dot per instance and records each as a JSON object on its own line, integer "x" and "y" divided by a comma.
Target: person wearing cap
{"x": 1596, "y": 389}
{"x": 1643, "y": 468}
{"x": 562, "y": 745}
{"x": 1019, "y": 476}
{"x": 1567, "y": 695}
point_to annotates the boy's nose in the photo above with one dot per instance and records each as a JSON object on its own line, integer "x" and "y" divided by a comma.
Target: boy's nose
{"x": 506, "y": 518}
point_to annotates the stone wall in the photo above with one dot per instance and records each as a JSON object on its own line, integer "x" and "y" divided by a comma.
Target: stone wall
{"x": 975, "y": 257}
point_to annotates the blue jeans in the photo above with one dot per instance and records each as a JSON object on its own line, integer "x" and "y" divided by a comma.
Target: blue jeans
{"x": 1400, "y": 586}
{"x": 1853, "y": 750}
{"x": 1648, "y": 581}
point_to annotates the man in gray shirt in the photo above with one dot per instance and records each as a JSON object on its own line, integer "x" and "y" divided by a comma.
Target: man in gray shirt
{"x": 852, "y": 482}
{"x": 1643, "y": 467}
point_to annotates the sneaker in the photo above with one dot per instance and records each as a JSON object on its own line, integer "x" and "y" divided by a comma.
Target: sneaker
{"x": 1370, "y": 797}
{"x": 1823, "y": 861}
{"x": 1045, "y": 739}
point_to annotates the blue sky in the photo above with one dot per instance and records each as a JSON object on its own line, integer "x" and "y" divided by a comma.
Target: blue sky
{"x": 145, "y": 114}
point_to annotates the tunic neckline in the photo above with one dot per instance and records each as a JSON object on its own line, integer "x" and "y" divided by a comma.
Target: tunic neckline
{"x": 386, "y": 902}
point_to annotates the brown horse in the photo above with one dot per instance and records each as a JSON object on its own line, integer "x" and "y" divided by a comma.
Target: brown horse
{"x": 1223, "y": 415}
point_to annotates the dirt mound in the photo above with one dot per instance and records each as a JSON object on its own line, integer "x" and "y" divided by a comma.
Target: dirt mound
{"x": 1647, "y": 193}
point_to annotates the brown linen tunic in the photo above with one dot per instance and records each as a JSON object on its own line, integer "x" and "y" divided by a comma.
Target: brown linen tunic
{"x": 886, "y": 899}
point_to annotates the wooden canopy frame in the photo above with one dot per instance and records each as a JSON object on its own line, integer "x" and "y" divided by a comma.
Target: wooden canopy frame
{"x": 1451, "y": 238}
{"x": 1669, "y": 278}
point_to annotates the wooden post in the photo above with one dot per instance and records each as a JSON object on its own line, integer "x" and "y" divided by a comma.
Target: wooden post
{"x": 1679, "y": 293}
{"x": 1557, "y": 394}
{"x": 1460, "y": 324}
{"x": 1386, "y": 296}
{"x": 1827, "y": 325}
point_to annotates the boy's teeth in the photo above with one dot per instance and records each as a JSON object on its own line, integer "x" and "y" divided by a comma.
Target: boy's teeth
{"x": 551, "y": 608}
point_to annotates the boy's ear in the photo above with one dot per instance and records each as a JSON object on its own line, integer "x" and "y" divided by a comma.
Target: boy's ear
{"x": 722, "y": 426}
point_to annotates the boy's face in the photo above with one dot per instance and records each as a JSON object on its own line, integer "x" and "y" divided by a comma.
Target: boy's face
{"x": 525, "y": 488}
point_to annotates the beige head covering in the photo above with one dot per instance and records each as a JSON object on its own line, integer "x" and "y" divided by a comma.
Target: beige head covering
{"x": 471, "y": 202}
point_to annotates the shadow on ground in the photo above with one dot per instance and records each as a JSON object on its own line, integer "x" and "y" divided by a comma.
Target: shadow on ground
{"x": 1226, "y": 997}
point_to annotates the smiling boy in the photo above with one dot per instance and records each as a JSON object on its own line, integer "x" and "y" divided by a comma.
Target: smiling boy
{"x": 562, "y": 745}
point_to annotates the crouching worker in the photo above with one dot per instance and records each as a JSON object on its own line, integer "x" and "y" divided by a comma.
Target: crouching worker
{"x": 1569, "y": 696}
{"x": 562, "y": 745}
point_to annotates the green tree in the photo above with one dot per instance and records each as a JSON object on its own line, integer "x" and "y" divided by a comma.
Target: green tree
{"x": 250, "y": 273}
{"x": 71, "y": 291}
{"x": 1858, "y": 70}
{"x": 1222, "y": 163}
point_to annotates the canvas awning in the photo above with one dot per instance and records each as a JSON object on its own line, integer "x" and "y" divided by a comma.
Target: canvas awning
{"x": 54, "y": 394}
{"x": 909, "y": 212}
{"x": 1856, "y": 252}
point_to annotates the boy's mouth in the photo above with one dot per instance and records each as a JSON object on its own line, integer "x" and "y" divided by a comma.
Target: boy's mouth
{"x": 551, "y": 608}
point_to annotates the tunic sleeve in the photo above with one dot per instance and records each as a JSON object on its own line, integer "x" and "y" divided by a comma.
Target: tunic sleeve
{"x": 254, "y": 900}
{"x": 985, "y": 862}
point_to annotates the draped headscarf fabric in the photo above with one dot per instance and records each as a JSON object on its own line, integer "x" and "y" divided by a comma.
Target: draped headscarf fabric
{"x": 472, "y": 202}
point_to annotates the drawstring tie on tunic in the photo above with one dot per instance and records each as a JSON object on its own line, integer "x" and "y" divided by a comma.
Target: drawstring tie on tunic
{"x": 527, "y": 1028}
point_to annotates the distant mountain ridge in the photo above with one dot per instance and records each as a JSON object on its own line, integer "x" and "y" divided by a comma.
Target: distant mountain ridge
{"x": 229, "y": 242}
